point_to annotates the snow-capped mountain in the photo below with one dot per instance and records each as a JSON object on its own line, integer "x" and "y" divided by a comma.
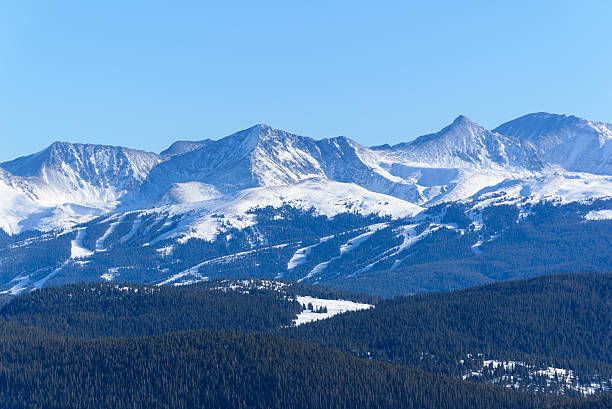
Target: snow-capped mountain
{"x": 417, "y": 172}
{"x": 251, "y": 202}
{"x": 94, "y": 172}
{"x": 572, "y": 143}
{"x": 180, "y": 147}
{"x": 70, "y": 183}
{"x": 465, "y": 144}
{"x": 258, "y": 156}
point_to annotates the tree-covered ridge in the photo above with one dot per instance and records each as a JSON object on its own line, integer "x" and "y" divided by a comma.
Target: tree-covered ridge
{"x": 597, "y": 402}
{"x": 223, "y": 370}
{"x": 55, "y": 349}
{"x": 129, "y": 310}
{"x": 118, "y": 310}
{"x": 449, "y": 246}
{"x": 563, "y": 321}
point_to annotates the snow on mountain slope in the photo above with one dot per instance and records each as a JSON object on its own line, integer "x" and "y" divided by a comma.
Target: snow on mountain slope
{"x": 344, "y": 160}
{"x": 327, "y": 197}
{"x": 189, "y": 192}
{"x": 261, "y": 156}
{"x": 21, "y": 208}
{"x": 562, "y": 187}
{"x": 180, "y": 147}
{"x": 465, "y": 144}
{"x": 258, "y": 156}
{"x": 67, "y": 184}
{"x": 419, "y": 172}
{"x": 89, "y": 171}
{"x": 15, "y": 205}
{"x": 344, "y": 249}
{"x": 151, "y": 205}
{"x": 573, "y": 143}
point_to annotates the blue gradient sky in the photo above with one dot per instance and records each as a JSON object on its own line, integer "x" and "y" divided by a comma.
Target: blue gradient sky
{"x": 143, "y": 74}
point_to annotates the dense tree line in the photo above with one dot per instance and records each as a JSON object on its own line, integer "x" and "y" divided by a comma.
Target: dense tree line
{"x": 549, "y": 238}
{"x": 561, "y": 320}
{"x": 110, "y": 310}
{"x": 223, "y": 370}
{"x": 596, "y": 402}
{"x": 546, "y": 238}
{"x": 128, "y": 310}
{"x": 35, "y": 255}
{"x": 49, "y": 359}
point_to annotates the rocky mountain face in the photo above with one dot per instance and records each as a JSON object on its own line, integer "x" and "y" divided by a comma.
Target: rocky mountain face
{"x": 82, "y": 174}
{"x": 453, "y": 164}
{"x": 234, "y": 194}
{"x": 465, "y": 144}
{"x": 572, "y": 143}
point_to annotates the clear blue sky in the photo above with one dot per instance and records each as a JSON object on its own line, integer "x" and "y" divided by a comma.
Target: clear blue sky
{"x": 143, "y": 74}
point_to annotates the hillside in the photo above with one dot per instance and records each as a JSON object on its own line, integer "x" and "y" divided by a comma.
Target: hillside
{"x": 511, "y": 333}
{"x": 548, "y": 334}
{"x": 221, "y": 370}
{"x": 55, "y": 349}
{"x": 443, "y": 211}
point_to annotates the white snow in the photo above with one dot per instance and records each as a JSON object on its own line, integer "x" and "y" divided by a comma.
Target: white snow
{"x": 334, "y": 307}
{"x": 217, "y": 183}
{"x": 300, "y": 256}
{"x": 181, "y": 278}
{"x": 355, "y": 242}
{"x": 109, "y": 231}
{"x": 135, "y": 226}
{"x": 218, "y": 260}
{"x": 165, "y": 251}
{"x": 564, "y": 378}
{"x": 599, "y": 215}
{"x": 40, "y": 283}
{"x": 476, "y": 246}
{"x": 344, "y": 249}
{"x": 262, "y": 166}
{"x": 77, "y": 250}
{"x": 111, "y": 274}
{"x": 411, "y": 238}
{"x": 327, "y": 197}
{"x": 21, "y": 284}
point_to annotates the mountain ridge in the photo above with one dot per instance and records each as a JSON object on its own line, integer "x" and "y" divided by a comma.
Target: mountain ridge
{"x": 265, "y": 203}
{"x": 453, "y": 164}
{"x": 570, "y": 142}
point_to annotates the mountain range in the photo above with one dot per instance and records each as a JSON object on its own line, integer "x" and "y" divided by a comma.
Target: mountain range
{"x": 203, "y": 190}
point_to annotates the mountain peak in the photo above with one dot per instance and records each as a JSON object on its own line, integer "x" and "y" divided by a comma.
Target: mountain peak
{"x": 464, "y": 126}
{"x": 262, "y": 127}
{"x": 570, "y": 142}
{"x": 466, "y": 144}
{"x": 538, "y": 123}
{"x": 249, "y": 138}
{"x": 181, "y": 147}
{"x": 259, "y": 130}
{"x": 78, "y": 165}
{"x": 462, "y": 119}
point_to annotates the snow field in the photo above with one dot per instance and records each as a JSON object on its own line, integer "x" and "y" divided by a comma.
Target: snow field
{"x": 334, "y": 307}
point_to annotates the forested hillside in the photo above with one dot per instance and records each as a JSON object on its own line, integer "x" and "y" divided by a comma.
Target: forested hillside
{"x": 549, "y": 334}
{"x": 561, "y": 321}
{"x": 222, "y": 370}
{"x": 127, "y": 310}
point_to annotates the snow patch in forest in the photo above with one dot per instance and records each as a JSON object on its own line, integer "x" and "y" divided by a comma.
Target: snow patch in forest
{"x": 605, "y": 214}
{"x": 110, "y": 274}
{"x": 334, "y": 307}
